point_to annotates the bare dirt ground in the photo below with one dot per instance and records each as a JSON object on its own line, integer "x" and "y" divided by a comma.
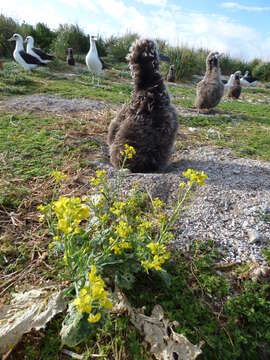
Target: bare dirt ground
{"x": 49, "y": 103}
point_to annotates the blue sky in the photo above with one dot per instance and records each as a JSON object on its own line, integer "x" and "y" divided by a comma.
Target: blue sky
{"x": 240, "y": 28}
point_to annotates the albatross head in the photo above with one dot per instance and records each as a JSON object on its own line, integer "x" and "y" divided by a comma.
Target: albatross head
{"x": 237, "y": 75}
{"x": 17, "y": 38}
{"x": 212, "y": 60}
{"x": 29, "y": 40}
{"x": 93, "y": 38}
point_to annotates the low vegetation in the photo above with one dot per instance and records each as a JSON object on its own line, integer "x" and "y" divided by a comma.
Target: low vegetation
{"x": 222, "y": 307}
{"x": 187, "y": 61}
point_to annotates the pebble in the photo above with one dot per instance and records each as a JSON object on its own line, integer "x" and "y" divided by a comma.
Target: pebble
{"x": 254, "y": 236}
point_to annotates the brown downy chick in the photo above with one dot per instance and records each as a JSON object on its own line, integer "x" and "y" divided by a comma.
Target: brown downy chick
{"x": 235, "y": 90}
{"x": 149, "y": 121}
{"x": 171, "y": 74}
{"x": 210, "y": 89}
{"x": 70, "y": 58}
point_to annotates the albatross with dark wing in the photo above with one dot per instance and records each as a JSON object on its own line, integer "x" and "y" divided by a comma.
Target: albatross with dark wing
{"x": 28, "y": 61}
{"x": 94, "y": 63}
{"x": 248, "y": 80}
{"x": 37, "y": 53}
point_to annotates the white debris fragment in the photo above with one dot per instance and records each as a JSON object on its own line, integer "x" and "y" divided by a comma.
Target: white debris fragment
{"x": 30, "y": 310}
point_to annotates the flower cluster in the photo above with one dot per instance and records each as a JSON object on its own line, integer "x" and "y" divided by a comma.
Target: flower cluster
{"x": 195, "y": 177}
{"x": 159, "y": 255}
{"x": 70, "y": 212}
{"x": 58, "y": 176}
{"x": 101, "y": 177}
{"x": 157, "y": 203}
{"x": 117, "y": 207}
{"x": 129, "y": 151}
{"x": 122, "y": 229}
{"x": 93, "y": 296}
{"x": 119, "y": 246}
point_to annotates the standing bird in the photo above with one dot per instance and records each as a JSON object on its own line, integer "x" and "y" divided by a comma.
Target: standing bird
{"x": 149, "y": 121}
{"x": 211, "y": 89}
{"x": 235, "y": 90}
{"x": 171, "y": 74}
{"x": 37, "y": 53}
{"x": 70, "y": 58}
{"x": 229, "y": 83}
{"x": 94, "y": 63}
{"x": 28, "y": 61}
{"x": 248, "y": 80}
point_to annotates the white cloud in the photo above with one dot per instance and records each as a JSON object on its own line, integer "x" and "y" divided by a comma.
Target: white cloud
{"x": 160, "y": 3}
{"x": 84, "y": 3}
{"x": 237, "y": 6}
{"x": 211, "y": 31}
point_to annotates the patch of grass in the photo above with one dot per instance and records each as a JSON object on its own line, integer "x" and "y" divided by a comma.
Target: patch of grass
{"x": 232, "y": 327}
{"x": 16, "y": 81}
{"x": 45, "y": 344}
{"x": 31, "y": 146}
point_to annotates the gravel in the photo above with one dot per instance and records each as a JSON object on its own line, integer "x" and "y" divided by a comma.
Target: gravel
{"x": 230, "y": 209}
{"x": 49, "y": 103}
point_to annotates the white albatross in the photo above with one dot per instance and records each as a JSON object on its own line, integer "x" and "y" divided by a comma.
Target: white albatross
{"x": 230, "y": 82}
{"x": 248, "y": 80}
{"x": 37, "y": 53}
{"x": 94, "y": 63}
{"x": 28, "y": 61}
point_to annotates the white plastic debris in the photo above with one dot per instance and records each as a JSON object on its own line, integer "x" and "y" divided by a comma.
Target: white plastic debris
{"x": 165, "y": 344}
{"x": 29, "y": 310}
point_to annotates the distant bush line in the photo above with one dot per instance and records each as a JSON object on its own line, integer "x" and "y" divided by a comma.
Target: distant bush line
{"x": 188, "y": 61}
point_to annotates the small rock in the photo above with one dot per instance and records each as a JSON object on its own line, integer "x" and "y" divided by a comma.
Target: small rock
{"x": 192, "y": 129}
{"x": 254, "y": 236}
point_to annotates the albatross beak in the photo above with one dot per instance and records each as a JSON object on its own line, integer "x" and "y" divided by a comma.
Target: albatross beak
{"x": 25, "y": 41}
{"x": 11, "y": 39}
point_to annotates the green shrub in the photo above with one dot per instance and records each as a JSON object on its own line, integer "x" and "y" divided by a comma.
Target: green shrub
{"x": 262, "y": 71}
{"x": 8, "y": 27}
{"x": 70, "y": 36}
{"x": 187, "y": 61}
{"x": 118, "y": 47}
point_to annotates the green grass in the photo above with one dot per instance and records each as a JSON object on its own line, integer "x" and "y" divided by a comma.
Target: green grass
{"x": 32, "y": 145}
{"x": 16, "y": 81}
{"x": 237, "y": 328}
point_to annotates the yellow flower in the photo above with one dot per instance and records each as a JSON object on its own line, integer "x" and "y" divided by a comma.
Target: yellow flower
{"x": 129, "y": 151}
{"x": 104, "y": 218}
{"x": 70, "y": 212}
{"x": 41, "y": 208}
{"x": 94, "y": 318}
{"x": 123, "y": 229}
{"x": 143, "y": 227}
{"x": 100, "y": 178}
{"x": 117, "y": 207}
{"x": 194, "y": 176}
{"x": 56, "y": 238}
{"x": 119, "y": 246}
{"x": 182, "y": 185}
{"x": 157, "y": 203}
{"x": 160, "y": 255}
{"x": 93, "y": 295}
{"x": 58, "y": 176}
